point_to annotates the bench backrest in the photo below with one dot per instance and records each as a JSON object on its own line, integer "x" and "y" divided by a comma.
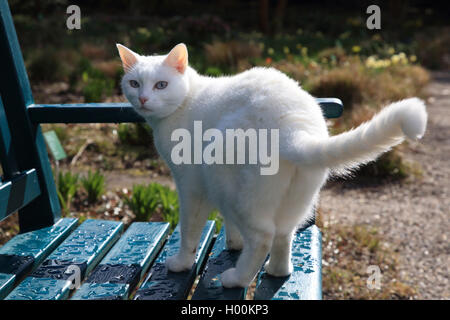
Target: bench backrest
{"x": 27, "y": 184}
{"x": 24, "y": 159}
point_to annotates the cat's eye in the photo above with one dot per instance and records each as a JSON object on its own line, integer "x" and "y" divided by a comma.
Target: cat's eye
{"x": 134, "y": 83}
{"x": 161, "y": 85}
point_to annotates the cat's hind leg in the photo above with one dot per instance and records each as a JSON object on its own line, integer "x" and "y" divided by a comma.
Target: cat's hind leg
{"x": 279, "y": 264}
{"x": 256, "y": 247}
{"x": 194, "y": 211}
{"x": 295, "y": 209}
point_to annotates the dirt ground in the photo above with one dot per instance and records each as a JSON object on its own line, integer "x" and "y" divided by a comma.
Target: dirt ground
{"x": 412, "y": 216}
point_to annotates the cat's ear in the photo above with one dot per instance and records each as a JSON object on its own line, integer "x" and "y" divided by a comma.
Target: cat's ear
{"x": 129, "y": 58}
{"x": 178, "y": 58}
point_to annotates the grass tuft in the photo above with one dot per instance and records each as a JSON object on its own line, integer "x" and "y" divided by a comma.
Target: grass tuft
{"x": 94, "y": 184}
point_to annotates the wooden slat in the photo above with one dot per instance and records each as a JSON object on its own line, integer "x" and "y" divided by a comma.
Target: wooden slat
{"x": 84, "y": 248}
{"x": 305, "y": 283}
{"x": 122, "y": 112}
{"x": 18, "y": 192}
{"x": 7, "y": 281}
{"x": 209, "y": 286}
{"x": 36, "y": 244}
{"x": 161, "y": 284}
{"x": 127, "y": 262}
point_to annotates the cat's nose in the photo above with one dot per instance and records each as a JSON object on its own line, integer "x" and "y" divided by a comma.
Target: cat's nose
{"x": 143, "y": 100}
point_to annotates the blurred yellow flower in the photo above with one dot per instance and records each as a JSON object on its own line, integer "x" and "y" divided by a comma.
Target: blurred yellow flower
{"x": 376, "y": 37}
{"x": 270, "y": 51}
{"x": 344, "y": 35}
{"x": 373, "y": 62}
{"x": 370, "y": 62}
{"x": 304, "y": 51}
{"x": 145, "y": 32}
{"x": 286, "y": 50}
{"x": 413, "y": 58}
{"x": 395, "y": 59}
{"x": 399, "y": 58}
{"x": 356, "y": 49}
{"x": 391, "y": 50}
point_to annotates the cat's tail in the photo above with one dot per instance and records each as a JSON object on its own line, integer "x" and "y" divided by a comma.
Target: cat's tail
{"x": 350, "y": 149}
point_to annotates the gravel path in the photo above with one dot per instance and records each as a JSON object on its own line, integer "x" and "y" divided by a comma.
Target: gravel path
{"x": 412, "y": 216}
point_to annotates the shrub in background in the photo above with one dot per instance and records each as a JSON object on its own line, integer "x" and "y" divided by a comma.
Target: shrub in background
{"x": 94, "y": 184}
{"x": 67, "y": 186}
{"x": 135, "y": 134}
{"x": 143, "y": 202}
{"x": 146, "y": 200}
{"x": 93, "y": 82}
{"x": 346, "y": 83}
{"x": 45, "y": 65}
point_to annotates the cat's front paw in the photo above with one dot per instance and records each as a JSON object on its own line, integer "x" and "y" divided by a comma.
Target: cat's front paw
{"x": 230, "y": 279}
{"x": 177, "y": 263}
{"x": 278, "y": 269}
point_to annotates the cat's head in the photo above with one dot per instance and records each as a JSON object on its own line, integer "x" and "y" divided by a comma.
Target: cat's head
{"x": 155, "y": 85}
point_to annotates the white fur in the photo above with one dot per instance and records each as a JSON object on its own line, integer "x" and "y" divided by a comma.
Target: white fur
{"x": 261, "y": 212}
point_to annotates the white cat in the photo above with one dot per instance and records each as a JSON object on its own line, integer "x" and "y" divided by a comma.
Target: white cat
{"x": 261, "y": 212}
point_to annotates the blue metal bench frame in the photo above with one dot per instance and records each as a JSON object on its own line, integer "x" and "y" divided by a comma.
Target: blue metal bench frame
{"x": 28, "y": 187}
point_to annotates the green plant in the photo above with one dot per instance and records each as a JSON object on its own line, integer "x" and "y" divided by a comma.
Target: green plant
{"x": 94, "y": 83}
{"x": 94, "y": 184}
{"x": 389, "y": 165}
{"x": 68, "y": 184}
{"x": 169, "y": 205}
{"x": 217, "y": 218}
{"x": 45, "y": 65}
{"x": 213, "y": 71}
{"x": 146, "y": 200}
{"x": 142, "y": 202}
{"x": 95, "y": 88}
{"x": 136, "y": 134}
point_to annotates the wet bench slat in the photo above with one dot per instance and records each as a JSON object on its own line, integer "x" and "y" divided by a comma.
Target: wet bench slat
{"x": 125, "y": 265}
{"x": 209, "y": 286}
{"x": 31, "y": 248}
{"x": 161, "y": 284}
{"x": 305, "y": 282}
{"x": 84, "y": 248}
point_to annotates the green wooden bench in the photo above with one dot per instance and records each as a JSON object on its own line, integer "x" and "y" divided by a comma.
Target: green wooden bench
{"x": 43, "y": 260}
